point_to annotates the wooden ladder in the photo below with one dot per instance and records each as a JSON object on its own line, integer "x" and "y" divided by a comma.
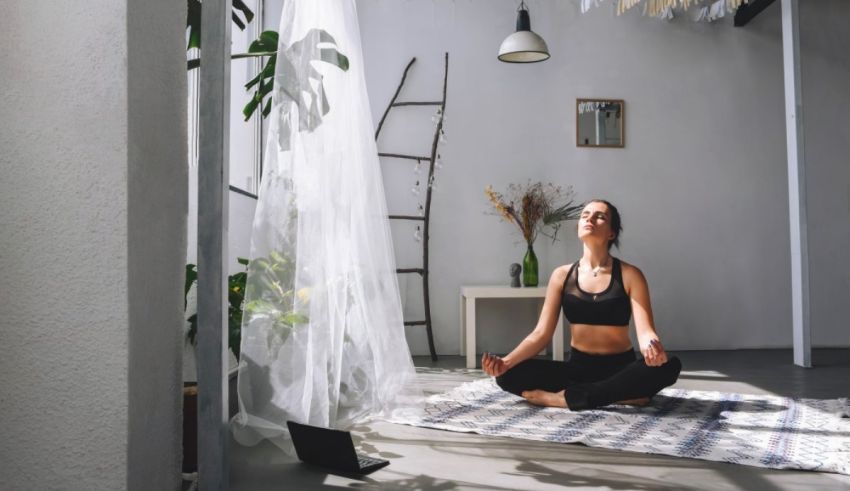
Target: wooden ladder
{"x": 425, "y": 219}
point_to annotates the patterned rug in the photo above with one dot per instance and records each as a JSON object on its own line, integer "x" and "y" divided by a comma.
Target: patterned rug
{"x": 758, "y": 430}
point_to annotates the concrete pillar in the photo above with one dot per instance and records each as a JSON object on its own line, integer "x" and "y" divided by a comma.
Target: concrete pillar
{"x": 92, "y": 250}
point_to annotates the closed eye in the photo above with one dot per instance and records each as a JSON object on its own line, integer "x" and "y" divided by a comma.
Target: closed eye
{"x": 596, "y": 216}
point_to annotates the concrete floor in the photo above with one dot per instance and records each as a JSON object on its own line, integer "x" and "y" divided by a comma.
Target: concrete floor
{"x": 427, "y": 459}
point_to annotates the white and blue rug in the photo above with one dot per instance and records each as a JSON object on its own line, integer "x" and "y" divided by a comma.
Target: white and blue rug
{"x": 758, "y": 430}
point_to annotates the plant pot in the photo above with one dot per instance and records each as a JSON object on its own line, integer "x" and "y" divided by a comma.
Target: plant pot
{"x": 190, "y": 419}
{"x": 190, "y": 427}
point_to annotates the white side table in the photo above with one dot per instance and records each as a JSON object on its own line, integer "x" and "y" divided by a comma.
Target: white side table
{"x": 468, "y": 295}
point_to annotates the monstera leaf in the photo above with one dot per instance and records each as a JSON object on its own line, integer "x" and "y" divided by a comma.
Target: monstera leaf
{"x": 266, "y": 45}
{"x": 193, "y": 20}
{"x": 299, "y": 84}
{"x": 296, "y": 87}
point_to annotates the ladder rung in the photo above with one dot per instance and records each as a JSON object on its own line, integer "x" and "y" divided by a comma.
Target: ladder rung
{"x": 418, "y": 103}
{"x": 410, "y": 270}
{"x": 406, "y": 217}
{"x": 415, "y": 323}
{"x": 401, "y": 156}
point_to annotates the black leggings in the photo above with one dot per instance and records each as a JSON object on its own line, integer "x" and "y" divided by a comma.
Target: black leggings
{"x": 592, "y": 381}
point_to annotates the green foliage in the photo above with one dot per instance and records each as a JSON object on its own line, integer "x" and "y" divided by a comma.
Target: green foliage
{"x": 267, "y": 46}
{"x": 274, "y": 301}
{"x": 191, "y": 276}
{"x": 193, "y": 20}
{"x": 235, "y": 299}
{"x": 534, "y": 206}
{"x": 308, "y": 87}
{"x": 556, "y": 215}
{"x": 267, "y": 43}
{"x": 297, "y": 86}
{"x": 274, "y": 276}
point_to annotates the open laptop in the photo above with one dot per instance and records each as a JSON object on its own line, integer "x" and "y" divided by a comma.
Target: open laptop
{"x": 330, "y": 448}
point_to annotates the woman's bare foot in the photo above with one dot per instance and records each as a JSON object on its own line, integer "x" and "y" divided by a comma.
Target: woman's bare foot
{"x": 546, "y": 399}
{"x": 640, "y": 402}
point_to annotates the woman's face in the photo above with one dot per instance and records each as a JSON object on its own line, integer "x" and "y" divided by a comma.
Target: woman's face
{"x": 594, "y": 224}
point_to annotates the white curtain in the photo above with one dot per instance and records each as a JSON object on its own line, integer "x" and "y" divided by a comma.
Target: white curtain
{"x": 322, "y": 335}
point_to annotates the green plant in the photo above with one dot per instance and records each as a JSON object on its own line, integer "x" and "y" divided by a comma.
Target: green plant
{"x": 274, "y": 277}
{"x": 193, "y": 19}
{"x": 267, "y": 46}
{"x": 273, "y": 300}
{"x": 534, "y": 206}
{"x": 295, "y": 84}
{"x": 235, "y": 299}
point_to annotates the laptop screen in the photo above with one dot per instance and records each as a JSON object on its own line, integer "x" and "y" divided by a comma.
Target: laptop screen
{"x": 323, "y": 446}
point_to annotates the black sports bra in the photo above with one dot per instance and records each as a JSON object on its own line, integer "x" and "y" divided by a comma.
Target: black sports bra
{"x": 610, "y": 307}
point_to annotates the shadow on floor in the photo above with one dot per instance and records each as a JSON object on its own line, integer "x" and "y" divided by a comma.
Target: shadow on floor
{"x": 434, "y": 460}
{"x": 772, "y": 371}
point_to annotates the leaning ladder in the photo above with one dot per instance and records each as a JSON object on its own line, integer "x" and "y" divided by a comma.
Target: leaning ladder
{"x": 423, "y": 271}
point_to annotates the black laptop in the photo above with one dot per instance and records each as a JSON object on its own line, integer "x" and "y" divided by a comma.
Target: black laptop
{"x": 330, "y": 448}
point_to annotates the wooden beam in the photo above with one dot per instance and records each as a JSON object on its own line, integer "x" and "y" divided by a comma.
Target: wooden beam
{"x": 402, "y": 156}
{"x": 796, "y": 184}
{"x": 213, "y": 198}
{"x": 415, "y": 103}
{"x": 746, "y": 12}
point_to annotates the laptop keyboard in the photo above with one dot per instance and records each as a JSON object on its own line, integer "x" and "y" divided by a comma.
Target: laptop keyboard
{"x": 367, "y": 461}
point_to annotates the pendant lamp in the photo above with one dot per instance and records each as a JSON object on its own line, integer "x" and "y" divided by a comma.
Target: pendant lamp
{"x": 523, "y": 46}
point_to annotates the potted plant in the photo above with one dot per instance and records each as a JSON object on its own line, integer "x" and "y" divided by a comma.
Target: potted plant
{"x": 235, "y": 297}
{"x": 277, "y": 304}
{"x": 533, "y": 207}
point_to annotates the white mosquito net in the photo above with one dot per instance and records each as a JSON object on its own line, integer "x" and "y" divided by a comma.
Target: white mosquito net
{"x": 322, "y": 334}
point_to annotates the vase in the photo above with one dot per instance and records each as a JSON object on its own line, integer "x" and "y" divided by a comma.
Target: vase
{"x": 529, "y": 267}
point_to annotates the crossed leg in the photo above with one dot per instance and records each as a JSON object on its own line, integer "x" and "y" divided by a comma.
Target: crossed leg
{"x": 557, "y": 384}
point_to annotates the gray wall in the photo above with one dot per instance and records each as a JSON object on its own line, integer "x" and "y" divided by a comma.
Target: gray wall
{"x": 826, "y": 79}
{"x": 156, "y": 221}
{"x": 701, "y": 184}
{"x": 92, "y": 209}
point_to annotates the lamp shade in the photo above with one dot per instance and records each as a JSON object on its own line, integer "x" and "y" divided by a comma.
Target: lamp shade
{"x": 523, "y": 46}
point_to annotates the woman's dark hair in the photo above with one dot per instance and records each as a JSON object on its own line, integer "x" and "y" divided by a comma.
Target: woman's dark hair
{"x": 616, "y": 224}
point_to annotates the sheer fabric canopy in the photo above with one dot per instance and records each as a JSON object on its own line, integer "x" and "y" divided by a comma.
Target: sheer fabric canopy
{"x": 322, "y": 336}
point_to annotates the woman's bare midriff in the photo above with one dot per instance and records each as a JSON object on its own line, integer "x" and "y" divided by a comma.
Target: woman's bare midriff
{"x": 600, "y": 340}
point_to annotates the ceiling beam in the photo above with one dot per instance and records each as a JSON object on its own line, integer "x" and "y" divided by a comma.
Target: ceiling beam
{"x": 746, "y": 12}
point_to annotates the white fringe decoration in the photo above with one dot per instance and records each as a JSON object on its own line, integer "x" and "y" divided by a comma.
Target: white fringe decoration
{"x": 587, "y": 4}
{"x": 663, "y": 9}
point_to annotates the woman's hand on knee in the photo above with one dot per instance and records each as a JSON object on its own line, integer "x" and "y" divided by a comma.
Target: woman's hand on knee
{"x": 493, "y": 365}
{"x": 654, "y": 354}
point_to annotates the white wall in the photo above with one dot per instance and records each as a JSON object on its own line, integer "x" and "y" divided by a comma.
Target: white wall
{"x": 701, "y": 184}
{"x": 92, "y": 209}
{"x": 239, "y": 233}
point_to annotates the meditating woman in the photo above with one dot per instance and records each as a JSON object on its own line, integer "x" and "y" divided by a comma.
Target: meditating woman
{"x": 599, "y": 293}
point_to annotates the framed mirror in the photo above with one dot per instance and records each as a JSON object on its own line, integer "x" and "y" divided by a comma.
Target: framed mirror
{"x": 600, "y": 123}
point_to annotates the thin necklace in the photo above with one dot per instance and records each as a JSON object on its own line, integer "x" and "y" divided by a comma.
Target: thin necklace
{"x": 599, "y": 268}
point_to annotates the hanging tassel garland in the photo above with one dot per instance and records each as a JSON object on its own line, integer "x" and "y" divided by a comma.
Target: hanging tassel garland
{"x": 663, "y": 9}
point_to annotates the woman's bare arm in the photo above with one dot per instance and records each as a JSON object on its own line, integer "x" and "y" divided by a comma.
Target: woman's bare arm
{"x": 638, "y": 291}
{"x": 542, "y": 333}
